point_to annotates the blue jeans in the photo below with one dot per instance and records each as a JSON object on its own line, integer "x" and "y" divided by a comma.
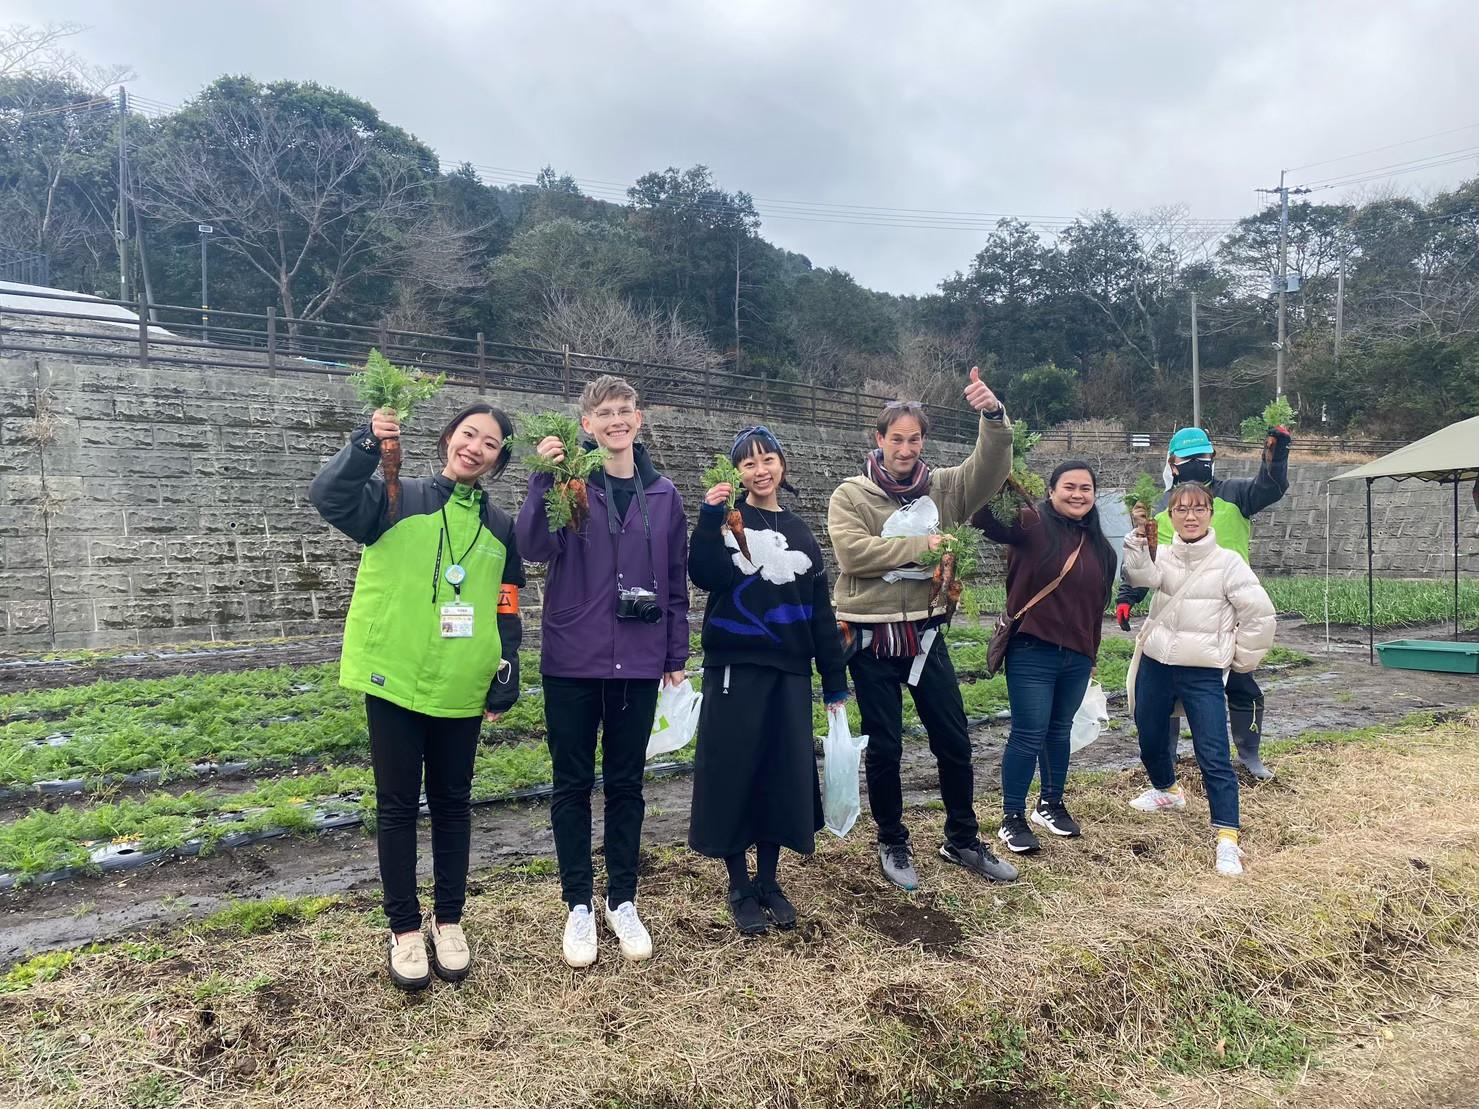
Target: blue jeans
{"x": 1200, "y": 689}
{"x": 1045, "y": 684}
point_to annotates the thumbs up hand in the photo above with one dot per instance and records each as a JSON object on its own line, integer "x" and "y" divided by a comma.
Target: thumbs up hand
{"x": 978, "y": 396}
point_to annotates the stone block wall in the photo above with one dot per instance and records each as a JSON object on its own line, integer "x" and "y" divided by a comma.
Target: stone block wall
{"x": 152, "y": 504}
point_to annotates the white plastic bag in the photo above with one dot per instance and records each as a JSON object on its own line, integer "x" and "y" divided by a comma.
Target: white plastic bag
{"x": 920, "y": 517}
{"x": 1089, "y": 720}
{"x": 676, "y": 721}
{"x": 842, "y": 753}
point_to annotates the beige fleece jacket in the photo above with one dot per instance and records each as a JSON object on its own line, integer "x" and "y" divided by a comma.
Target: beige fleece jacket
{"x": 859, "y": 508}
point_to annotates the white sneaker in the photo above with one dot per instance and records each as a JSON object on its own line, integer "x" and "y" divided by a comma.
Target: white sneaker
{"x": 1229, "y": 857}
{"x": 580, "y": 937}
{"x": 636, "y": 944}
{"x": 1159, "y": 800}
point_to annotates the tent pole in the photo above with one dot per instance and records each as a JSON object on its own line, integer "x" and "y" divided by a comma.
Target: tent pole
{"x": 1455, "y": 556}
{"x": 1370, "y": 585}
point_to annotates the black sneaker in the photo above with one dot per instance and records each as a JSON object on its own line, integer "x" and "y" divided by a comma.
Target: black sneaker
{"x": 1017, "y": 836}
{"x": 749, "y": 917}
{"x": 978, "y": 859}
{"x": 1054, "y": 816}
{"x": 774, "y": 901}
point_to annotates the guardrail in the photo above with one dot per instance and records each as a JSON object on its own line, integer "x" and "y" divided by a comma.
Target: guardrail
{"x": 148, "y": 333}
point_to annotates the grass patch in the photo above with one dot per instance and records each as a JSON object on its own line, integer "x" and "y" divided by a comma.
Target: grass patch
{"x": 250, "y": 918}
{"x": 41, "y": 968}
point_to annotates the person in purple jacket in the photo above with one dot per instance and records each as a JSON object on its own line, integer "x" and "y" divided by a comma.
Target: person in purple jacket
{"x": 614, "y": 626}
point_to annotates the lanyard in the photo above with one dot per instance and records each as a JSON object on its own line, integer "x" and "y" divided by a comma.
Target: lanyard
{"x": 444, "y": 537}
{"x": 646, "y": 523}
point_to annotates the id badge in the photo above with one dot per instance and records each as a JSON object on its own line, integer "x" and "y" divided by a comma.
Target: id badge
{"x": 457, "y": 621}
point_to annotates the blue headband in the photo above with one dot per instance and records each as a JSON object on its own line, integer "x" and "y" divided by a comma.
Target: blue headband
{"x": 759, "y": 431}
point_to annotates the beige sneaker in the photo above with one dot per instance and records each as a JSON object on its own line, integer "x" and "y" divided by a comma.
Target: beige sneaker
{"x": 407, "y": 961}
{"x": 580, "y": 937}
{"x": 636, "y": 944}
{"x": 450, "y": 957}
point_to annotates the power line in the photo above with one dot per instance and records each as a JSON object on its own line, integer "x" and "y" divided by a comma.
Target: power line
{"x": 1393, "y": 169}
{"x": 1389, "y": 146}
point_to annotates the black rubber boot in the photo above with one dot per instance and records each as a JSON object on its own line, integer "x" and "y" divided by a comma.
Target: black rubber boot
{"x": 1247, "y": 734}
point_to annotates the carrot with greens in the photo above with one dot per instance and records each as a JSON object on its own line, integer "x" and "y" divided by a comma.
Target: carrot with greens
{"x": 382, "y": 384}
{"x": 1022, "y": 487}
{"x": 721, "y": 472}
{"x": 1145, "y": 494}
{"x": 567, "y": 502}
{"x": 954, "y": 560}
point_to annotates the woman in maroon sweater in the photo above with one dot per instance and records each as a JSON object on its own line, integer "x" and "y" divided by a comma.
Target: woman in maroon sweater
{"x": 1052, "y": 653}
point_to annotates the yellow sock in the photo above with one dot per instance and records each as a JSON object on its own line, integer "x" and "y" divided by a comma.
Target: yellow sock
{"x": 1228, "y": 833}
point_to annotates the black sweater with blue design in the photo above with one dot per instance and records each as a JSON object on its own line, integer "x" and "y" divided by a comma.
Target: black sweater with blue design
{"x": 773, "y": 611}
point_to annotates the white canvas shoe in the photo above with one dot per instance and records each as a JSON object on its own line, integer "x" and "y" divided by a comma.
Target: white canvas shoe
{"x": 636, "y": 944}
{"x": 580, "y": 937}
{"x": 1229, "y": 857}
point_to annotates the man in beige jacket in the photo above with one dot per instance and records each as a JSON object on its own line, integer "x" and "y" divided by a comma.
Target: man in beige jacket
{"x": 881, "y": 523}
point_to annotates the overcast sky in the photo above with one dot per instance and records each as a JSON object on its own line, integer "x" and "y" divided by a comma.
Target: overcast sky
{"x": 1046, "y": 109}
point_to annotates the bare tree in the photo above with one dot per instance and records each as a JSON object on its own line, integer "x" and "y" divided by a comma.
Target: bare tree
{"x": 608, "y": 326}
{"x": 439, "y": 268}
{"x": 35, "y": 52}
{"x": 304, "y": 203}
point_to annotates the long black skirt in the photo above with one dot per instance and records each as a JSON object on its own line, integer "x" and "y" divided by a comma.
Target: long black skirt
{"x": 755, "y": 769}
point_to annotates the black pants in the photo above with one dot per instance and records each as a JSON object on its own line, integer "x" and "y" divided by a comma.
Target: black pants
{"x": 1243, "y": 693}
{"x": 574, "y": 708}
{"x": 878, "y": 684}
{"x": 402, "y": 742}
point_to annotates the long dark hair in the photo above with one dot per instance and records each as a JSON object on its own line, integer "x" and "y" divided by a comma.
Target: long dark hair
{"x": 1063, "y": 529}
{"x": 480, "y": 408}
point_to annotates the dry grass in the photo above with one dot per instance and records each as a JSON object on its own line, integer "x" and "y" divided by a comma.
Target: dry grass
{"x": 1119, "y": 966}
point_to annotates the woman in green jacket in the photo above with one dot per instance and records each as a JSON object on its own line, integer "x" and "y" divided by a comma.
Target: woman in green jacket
{"x": 432, "y": 641}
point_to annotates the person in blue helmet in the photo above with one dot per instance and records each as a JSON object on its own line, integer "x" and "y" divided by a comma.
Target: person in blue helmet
{"x": 1235, "y": 501}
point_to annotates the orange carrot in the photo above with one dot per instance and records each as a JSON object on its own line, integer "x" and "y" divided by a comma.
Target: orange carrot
{"x": 390, "y": 463}
{"x": 580, "y": 503}
{"x": 736, "y": 524}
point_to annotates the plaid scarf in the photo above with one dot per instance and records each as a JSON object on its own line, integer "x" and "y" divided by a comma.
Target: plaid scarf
{"x": 902, "y": 491}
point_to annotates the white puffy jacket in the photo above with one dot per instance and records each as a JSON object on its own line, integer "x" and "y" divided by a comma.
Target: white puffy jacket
{"x": 1223, "y": 618}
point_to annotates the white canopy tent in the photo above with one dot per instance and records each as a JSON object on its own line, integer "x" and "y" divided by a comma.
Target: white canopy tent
{"x": 1447, "y": 456}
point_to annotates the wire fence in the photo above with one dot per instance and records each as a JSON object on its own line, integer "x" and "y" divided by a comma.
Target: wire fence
{"x": 146, "y": 334}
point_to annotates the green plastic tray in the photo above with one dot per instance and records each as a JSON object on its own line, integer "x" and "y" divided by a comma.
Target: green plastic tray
{"x": 1430, "y": 654}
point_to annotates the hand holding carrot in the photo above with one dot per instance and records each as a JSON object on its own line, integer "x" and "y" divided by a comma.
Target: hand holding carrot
{"x": 385, "y": 424}
{"x": 718, "y": 494}
{"x": 551, "y": 447}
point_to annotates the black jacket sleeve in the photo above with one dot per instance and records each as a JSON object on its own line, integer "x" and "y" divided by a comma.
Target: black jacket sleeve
{"x": 1253, "y": 495}
{"x": 710, "y": 565}
{"x": 503, "y": 691}
{"x": 1009, "y": 534}
{"x": 827, "y": 637}
{"x": 349, "y": 494}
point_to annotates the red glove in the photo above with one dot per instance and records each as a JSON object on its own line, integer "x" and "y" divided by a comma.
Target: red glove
{"x": 1122, "y": 614}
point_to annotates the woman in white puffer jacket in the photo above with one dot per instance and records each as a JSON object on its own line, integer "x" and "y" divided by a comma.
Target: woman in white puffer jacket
{"x": 1209, "y": 616}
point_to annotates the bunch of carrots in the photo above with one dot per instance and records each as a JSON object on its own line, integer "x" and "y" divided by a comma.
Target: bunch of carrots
{"x": 566, "y": 503}
{"x": 954, "y": 560}
{"x": 1022, "y": 487}
{"x": 720, "y": 472}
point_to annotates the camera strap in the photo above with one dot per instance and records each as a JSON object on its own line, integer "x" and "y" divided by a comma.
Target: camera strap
{"x": 646, "y": 523}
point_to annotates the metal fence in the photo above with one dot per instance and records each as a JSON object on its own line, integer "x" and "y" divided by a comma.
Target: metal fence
{"x": 267, "y": 343}
{"x": 28, "y": 267}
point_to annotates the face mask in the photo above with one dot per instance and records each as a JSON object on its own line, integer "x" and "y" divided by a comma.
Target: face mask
{"x": 1194, "y": 469}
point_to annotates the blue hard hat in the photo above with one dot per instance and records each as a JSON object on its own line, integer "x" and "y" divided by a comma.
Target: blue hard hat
{"x": 1189, "y": 442}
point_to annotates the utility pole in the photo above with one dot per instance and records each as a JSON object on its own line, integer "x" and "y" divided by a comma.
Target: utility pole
{"x": 120, "y": 226}
{"x": 1282, "y": 286}
{"x": 206, "y": 230}
{"x": 1339, "y": 309}
{"x": 1196, "y": 369}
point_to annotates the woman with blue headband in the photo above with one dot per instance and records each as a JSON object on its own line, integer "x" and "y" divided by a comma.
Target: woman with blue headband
{"x": 769, "y": 615}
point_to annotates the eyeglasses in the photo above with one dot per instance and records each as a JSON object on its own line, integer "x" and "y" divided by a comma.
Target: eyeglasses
{"x": 905, "y": 405}
{"x": 1192, "y": 510}
{"x": 624, "y": 412}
